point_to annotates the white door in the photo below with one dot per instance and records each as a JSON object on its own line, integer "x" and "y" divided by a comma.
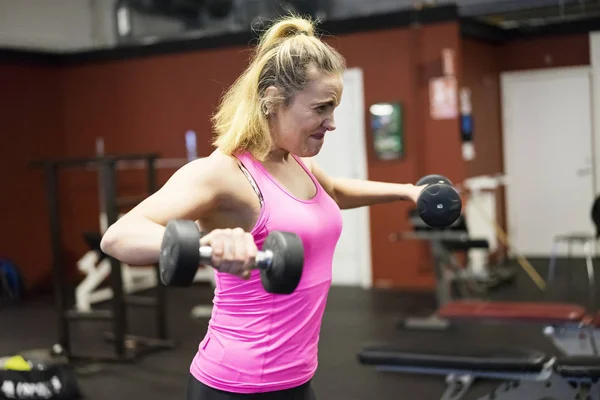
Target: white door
{"x": 548, "y": 156}
{"x": 344, "y": 154}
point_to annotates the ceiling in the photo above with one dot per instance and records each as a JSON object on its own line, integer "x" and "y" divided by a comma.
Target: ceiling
{"x": 524, "y": 13}
{"x": 75, "y": 25}
{"x": 231, "y": 15}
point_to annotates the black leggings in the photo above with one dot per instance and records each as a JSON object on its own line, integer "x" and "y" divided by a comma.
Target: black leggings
{"x": 196, "y": 390}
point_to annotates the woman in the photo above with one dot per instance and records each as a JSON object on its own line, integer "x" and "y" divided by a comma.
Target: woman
{"x": 260, "y": 178}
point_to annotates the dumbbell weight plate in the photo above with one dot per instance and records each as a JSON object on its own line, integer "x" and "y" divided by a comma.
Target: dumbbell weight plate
{"x": 439, "y": 205}
{"x": 285, "y": 271}
{"x": 430, "y": 179}
{"x": 179, "y": 256}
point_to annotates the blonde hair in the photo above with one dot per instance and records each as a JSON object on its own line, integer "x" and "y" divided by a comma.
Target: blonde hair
{"x": 281, "y": 59}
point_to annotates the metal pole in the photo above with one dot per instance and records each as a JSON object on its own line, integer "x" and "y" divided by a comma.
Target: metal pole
{"x": 116, "y": 278}
{"x": 102, "y": 213}
{"x": 161, "y": 290}
{"x": 60, "y": 290}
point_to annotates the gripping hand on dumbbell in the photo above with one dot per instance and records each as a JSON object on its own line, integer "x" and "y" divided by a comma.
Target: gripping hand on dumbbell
{"x": 438, "y": 202}
{"x": 233, "y": 251}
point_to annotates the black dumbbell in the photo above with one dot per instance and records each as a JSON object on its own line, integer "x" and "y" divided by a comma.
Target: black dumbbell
{"x": 439, "y": 204}
{"x": 280, "y": 262}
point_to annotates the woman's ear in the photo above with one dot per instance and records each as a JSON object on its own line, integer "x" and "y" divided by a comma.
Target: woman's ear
{"x": 271, "y": 100}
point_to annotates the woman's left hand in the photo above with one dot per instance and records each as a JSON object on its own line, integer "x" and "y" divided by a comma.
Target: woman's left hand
{"x": 414, "y": 192}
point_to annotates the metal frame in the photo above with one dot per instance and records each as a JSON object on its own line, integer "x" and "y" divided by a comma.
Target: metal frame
{"x": 126, "y": 347}
{"x": 442, "y": 260}
{"x": 518, "y": 385}
{"x": 588, "y": 242}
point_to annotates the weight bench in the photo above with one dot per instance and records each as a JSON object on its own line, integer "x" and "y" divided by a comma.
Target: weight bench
{"x": 581, "y": 339}
{"x": 570, "y": 329}
{"x": 526, "y": 374}
{"x": 444, "y": 245}
{"x": 546, "y": 313}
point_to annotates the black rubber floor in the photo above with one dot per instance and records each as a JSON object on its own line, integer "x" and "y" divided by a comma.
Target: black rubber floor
{"x": 354, "y": 317}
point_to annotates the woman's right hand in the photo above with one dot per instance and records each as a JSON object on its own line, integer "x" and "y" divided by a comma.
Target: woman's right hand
{"x": 233, "y": 251}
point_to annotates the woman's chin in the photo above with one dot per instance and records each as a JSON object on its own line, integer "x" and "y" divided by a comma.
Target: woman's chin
{"x": 311, "y": 152}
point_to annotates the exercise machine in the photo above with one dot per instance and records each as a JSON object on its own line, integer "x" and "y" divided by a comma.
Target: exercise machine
{"x": 453, "y": 279}
{"x": 523, "y": 373}
{"x": 126, "y": 347}
{"x": 588, "y": 241}
{"x": 480, "y": 213}
{"x": 96, "y": 267}
{"x": 527, "y": 374}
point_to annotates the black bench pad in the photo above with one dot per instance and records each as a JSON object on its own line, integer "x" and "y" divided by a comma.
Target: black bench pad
{"x": 500, "y": 360}
{"x": 578, "y": 367}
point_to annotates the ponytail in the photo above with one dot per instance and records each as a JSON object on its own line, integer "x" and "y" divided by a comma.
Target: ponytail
{"x": 281, "y": 60}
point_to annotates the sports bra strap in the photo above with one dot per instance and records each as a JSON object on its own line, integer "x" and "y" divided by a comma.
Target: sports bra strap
{"x": 253, "y": 183}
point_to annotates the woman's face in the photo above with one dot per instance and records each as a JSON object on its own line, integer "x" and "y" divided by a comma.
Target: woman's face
{"x": 300, "y": 127}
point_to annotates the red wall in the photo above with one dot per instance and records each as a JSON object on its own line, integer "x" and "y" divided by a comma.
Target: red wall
{"x": 481, "y": 74}
{"x": 545, "y": 52}
{"x": 32, "y": 128}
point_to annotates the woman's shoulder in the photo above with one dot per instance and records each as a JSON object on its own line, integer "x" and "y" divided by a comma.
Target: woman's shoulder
{"x": 218, "y": 169}
{"x": 214, "y": 162}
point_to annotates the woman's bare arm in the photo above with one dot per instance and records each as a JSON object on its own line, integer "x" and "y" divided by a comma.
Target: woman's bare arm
{"x": 191, "y": 193}
{"x": 352, "y": 193}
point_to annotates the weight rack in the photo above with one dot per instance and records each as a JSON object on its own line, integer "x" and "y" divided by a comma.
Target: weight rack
{"x": 127, "y": 348}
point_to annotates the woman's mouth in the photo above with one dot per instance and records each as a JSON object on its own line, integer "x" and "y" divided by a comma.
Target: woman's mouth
{"x": 318, "y": 136}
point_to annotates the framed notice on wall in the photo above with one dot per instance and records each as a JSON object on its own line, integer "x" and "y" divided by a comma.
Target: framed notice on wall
{"x": 387, "y": 127}
{"x": 443, "y": 98}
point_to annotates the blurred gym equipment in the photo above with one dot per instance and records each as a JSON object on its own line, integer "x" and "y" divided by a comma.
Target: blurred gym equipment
{"x": 454, "y": 280}
{"x": 126, "y": 347}
{"x": 447, "y": 271}
{"x": 525, "y": 373}
{"x": 589, "y": 243}
{"x": 480, "y": 214}
{"x": 476, "y": 187}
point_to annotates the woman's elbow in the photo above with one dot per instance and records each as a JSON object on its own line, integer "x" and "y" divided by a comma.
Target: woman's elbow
{"x": 109, "y": 242}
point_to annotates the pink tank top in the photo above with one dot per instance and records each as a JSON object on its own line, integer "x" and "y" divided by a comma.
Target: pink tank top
{"x": 261, "y": 342}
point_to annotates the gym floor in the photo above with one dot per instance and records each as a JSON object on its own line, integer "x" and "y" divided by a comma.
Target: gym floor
{"x": 354, "y": 317}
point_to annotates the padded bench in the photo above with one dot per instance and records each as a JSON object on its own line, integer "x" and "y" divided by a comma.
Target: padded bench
{"x": 524, "y": 374}
{"x": 463, "y": 245}
{"x": 529, "y": 311}
{"x": 499, "y": 360}
{"x": 578, "y": 367}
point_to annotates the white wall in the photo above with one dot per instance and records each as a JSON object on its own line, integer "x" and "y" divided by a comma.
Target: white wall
{"x": 595, "y": 63}
{"x": 70, "y": 25}
{"x": 56, "y": 24}
{"x": 154, "y": 25}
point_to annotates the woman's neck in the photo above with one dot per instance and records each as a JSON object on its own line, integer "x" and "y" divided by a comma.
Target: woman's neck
{"x": 278, "y": 156}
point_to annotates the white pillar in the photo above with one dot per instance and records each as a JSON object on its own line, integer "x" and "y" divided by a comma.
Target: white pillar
{"x": 595, "y": 64}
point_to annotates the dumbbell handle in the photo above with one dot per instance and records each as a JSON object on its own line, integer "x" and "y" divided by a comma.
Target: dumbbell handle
{"x": 263, "y": 260}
